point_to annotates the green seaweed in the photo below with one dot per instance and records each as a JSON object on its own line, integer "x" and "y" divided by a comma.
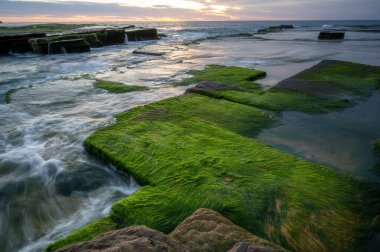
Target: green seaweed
{"x": 330, "y": 85}
{"x": 8, "y": 95}
{"x": 185, "y": 162}
{"x": 236, "y": 76}
{"x": 117, "y": 87}
{"x": 356, "y": 78}
{"x": 45, "y": 28}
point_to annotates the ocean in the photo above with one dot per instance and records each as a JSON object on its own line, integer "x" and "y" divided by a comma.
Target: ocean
{"x": 49, "y": 185}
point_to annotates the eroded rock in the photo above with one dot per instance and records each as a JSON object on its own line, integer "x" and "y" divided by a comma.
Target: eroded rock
{"x": 205, "y": 230}
{"x": 137, "y": 238}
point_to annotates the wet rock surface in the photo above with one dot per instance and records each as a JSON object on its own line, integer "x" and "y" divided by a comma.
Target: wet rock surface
{"x": 205, "y": 87}
{"x": 142, "y": 34}
{"x": 17, "y": 43}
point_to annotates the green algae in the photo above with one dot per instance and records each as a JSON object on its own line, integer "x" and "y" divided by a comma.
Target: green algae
{"x": 8, "y": 95}
{"x": 355, "y": 78}
{"x": 330, "y": 85}
{"x": 192, "y": 151}
{"x": 46, "y": 28}
{"x": 236, "y": 76}
{"x": 244, "y": 120}
{"x": 185, "y": 162}
{"x": 117, "y": 87}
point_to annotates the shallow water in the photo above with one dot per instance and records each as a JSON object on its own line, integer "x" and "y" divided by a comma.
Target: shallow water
{"x": 50, "y": 186}
{"x": 343, "y": 140}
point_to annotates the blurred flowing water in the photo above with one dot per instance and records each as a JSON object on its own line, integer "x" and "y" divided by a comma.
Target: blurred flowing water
{"x": 50, "y": 186}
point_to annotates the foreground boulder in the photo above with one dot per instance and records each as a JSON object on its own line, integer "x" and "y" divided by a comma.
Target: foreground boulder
{"x": 331, "y": 35}
{"x": 203, "y": 231}
{"x": 207, "y": 230}
{"x": 17, "y": 43}
{"x": 138, "y": 238}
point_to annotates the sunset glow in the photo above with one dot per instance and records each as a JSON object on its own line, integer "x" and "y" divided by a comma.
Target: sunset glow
{"x": 182, "y": 10}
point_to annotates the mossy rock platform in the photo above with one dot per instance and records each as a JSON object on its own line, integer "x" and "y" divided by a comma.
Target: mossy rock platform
{"x": 117, "y": 87}
{"x": 195, "y": 151}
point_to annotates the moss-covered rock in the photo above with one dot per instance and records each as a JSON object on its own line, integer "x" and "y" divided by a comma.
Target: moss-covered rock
{"x": 235, "y": 77}
{"x": 327, "y": 86}
{"x": 17, "y": 43}
{"x": 59, "y": 45}
{"x": 192, "y": 152}
{"x": 141, "y": 34}
{"x": 117, "y": 87}
{"x": 95, "y": 38}
{"x": 41, "y": 28}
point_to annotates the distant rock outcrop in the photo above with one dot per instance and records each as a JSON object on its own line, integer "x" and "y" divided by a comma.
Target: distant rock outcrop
{"x": 331, "y": 35}
{"x": 275, "y": 28}
{"x": 17, "y": 43}
{"x": 205, "y": 230}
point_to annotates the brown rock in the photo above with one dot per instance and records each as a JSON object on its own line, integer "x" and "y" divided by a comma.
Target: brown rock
{"x": 207, "y": 230}
{"x": 203, "y": 231}
{"x": 136, "y": 238}
{"x": 249, "y": 247}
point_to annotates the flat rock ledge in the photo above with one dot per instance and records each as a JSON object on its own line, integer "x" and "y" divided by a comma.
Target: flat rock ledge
{"x": 205, "y": 230}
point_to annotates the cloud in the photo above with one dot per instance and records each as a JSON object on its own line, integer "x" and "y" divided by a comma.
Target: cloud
{"x": 124, "y": 10}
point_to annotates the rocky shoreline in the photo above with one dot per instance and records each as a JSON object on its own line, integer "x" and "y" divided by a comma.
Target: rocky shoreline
{"x": 196, "y": 151}
{"x": 69, "y": 41}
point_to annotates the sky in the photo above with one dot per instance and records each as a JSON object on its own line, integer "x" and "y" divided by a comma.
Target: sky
{"x": 185, "y": 10}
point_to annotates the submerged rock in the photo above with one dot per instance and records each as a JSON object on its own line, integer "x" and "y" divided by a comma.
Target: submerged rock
{"x": 331, "y": 35}
{"x": 17, "y": 43}
{"x": 275, "y": 28}
{"x": 205, "y": 230}
{"x": 142, "y": 34}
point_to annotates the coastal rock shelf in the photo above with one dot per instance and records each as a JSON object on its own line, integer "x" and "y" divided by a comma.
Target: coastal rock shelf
{"x": 75, "y": 41}
{"x": 17, "y": 43}
{"x": 197, "y": 151}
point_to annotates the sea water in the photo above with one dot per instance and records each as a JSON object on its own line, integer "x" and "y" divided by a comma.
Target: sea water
{"x": 50, "y": 186}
